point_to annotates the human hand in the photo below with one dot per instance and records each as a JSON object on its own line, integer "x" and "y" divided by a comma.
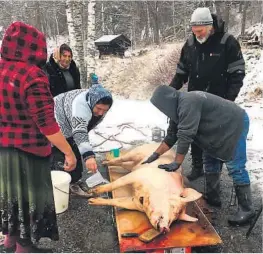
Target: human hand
{"x": 91, "y": 165}
{"x": 56, "y": 54}
{"x": 152, "y": 158}
{"x": 172, "y": 167}
{"x": 70, "y": 161}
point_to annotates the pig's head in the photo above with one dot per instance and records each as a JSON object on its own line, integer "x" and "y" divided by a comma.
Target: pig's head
{"x": 157, "y": 208}
{"x": 162, "y": 210}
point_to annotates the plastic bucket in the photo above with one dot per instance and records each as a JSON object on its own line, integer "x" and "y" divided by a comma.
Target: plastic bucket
{"x": 60, "y": 182}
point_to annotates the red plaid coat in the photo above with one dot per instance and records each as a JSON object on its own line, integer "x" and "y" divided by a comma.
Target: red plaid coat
{"x": 26, "y": 104}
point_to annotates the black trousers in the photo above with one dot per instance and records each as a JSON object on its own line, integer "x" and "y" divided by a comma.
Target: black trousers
{"x": 196, "y": 152}
{"x": 58, "y": 159}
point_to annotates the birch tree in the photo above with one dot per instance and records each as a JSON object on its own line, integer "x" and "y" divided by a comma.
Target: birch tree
{"x": 244, "y": 17}
{"x": 91, "y": 50}
{"x": 74, "y": 20}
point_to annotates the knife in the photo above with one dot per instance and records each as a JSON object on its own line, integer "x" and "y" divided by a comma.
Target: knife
{"x": 126, "y": 235}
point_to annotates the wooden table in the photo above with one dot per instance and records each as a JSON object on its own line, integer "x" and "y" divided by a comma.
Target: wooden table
{"x": 183, "y": 234}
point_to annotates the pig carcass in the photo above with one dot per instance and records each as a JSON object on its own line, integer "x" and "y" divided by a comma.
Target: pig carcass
{"x": 160, "y": 194}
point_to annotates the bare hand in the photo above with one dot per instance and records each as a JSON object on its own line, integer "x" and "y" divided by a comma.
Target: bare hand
{"x": 56, "y": 54}
{"x": 70, "y": 162}
{"x": 105, "y": 162}
{"x": 91, "y": 165}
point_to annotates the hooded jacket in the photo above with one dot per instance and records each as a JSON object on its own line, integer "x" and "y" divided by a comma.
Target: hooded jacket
{"x": 211, "y": 122}
{"x": 56, "y": 78}
{"x": 216, "y": 66}
{"x": 26, "y": 104}
{"x": 73, "y": 111}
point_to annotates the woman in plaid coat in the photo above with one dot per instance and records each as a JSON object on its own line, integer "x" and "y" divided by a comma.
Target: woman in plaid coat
{"x": 27, "y": 129}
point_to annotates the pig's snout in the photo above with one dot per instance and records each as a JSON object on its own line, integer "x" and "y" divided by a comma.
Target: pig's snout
{"x": 162, "y": 229}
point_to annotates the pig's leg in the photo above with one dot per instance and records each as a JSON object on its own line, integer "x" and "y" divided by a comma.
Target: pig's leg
{"x": 186, "y": 217}
{"x": 125, "y": 202}
{"x": 122, "y": 181}
{"x": 127, "y": 161}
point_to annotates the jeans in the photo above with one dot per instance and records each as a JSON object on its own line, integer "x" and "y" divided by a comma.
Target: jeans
{"x": 237, "y": 166}
{"x": 196, "y": 152}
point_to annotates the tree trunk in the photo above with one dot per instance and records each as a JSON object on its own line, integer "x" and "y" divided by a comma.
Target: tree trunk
{"x": 73, "y": 11}
{"x": 240, "y": 7}
{"x": 57, "y": 26}
{"x": 133, "y": 24}
{"x": 185, "y": 21}
{"x": 102, "y": 19}
{"x": 218, "y": 5}
{"x": 156, "y": 25}
{"x": 228, "y": 6}
{"x": 148, "y": 24}
{"x": 244, "y": 17}
{"x": 37, "y": 16}
{"x": 174, "y": 30}
{"x": 91, "y": 49}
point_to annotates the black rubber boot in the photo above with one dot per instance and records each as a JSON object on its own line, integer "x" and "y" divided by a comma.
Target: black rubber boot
{"x": 197, "y": 162}
{"x": 245, "y": 209}
{"x": 212, "y": 189}
{"x": 197, "y": 169}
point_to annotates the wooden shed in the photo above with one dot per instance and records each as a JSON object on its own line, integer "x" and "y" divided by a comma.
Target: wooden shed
{"x": 112, "y": 45}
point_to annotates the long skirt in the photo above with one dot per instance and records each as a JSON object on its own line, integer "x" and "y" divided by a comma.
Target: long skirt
{"x": 26, "y": 196}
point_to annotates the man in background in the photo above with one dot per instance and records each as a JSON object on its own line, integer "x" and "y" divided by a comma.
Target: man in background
{"x": 211, "y": 60}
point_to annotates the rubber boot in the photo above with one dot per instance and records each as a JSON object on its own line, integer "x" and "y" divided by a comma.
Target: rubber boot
{"x": 212, "y": 189}
{"x": 197, "y": 169}
{"x": 245, "y": 209}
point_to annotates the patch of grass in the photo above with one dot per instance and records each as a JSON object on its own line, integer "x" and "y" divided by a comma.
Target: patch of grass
{"x": 166, "y": 69}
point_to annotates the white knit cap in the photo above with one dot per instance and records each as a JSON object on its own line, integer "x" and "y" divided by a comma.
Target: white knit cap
{"x": 201, "y": 17}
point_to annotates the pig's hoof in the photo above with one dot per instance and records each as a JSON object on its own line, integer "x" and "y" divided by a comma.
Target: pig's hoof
{"x": 96, "y": 201}
{"x": 93, "y": 192}
{"x": 105, "y": 162}
{"x": 97, "y": 190}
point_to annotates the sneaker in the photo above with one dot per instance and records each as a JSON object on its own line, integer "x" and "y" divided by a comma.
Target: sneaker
{"x": 76, "y": 190}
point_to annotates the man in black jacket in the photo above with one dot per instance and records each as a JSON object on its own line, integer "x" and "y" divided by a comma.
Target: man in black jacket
{"x": 211, "y": 60}
{"x": 63, "y": 74}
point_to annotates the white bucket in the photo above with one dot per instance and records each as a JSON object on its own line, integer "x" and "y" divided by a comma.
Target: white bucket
{"x": 60, "y": 181}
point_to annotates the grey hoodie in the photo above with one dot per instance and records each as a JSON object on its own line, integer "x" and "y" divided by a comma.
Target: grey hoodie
{"x": 213, "y": 123}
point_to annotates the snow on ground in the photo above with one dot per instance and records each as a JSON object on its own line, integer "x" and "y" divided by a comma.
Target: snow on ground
{"x": 128, "y": 121}
{"x": 255, "y": 29}
{"x": 251, "y": 99}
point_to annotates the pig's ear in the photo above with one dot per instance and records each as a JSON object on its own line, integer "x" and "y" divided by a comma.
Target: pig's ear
{"x": 189, "y": 195}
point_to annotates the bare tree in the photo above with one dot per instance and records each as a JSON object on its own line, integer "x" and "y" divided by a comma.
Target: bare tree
{"x": 74, "y": 20}
{"x": 91, "y": 50}
{"x": 228, "y": 5}
{"x": 148, "y": 28}
{"x": 244, "y": 17}
{"x": 154, "y": 9}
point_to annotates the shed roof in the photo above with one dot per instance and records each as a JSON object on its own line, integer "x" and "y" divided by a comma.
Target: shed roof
{"x": 107, "y": 39}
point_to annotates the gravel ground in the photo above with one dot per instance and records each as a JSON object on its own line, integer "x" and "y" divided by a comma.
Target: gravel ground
{"x": 92, "y": 229}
